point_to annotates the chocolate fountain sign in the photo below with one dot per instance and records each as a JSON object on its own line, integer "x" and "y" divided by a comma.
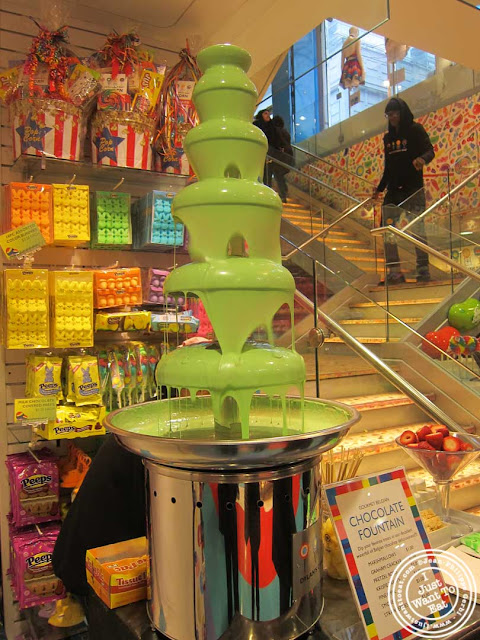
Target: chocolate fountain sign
{"x": 403, "y": 587}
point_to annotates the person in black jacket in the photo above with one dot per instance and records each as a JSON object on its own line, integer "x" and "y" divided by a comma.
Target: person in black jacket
{"x": 284, "y": 153}
{"x": 407, "y": 150}
{"x": 109, "y": 508}
{"x": 264, "y": 122}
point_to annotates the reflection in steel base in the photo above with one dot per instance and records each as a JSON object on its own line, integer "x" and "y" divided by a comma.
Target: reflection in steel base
{"x": 235, "y": 560}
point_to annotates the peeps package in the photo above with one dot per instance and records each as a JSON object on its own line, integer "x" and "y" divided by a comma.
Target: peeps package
{"x": 83, "y": 381}
{"x": 74, "y": 422}
{"x": 119, "y": 573}
{"x": 27, "y": 309}
{"x": 154, "y": 227}
{"x": 184, "y": 322}
{"x": 44, "y": 377}
{"x": 28, "y": 202}
{"x": 71, "y": 214}
{"x": 72, "y": 308}
{"x": 123, "y": 321}
{"x": 111, "y": 222}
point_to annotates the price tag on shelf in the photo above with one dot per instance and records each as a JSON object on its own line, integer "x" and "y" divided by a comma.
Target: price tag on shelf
{"x": 22, "y": 241}
{"x": 31, "y": 410}
{"x": 393, "y": 572}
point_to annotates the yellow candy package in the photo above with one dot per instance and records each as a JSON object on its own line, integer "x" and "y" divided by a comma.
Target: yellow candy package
{"x": 83, "y": 381}
{"x": 44, "y": 377}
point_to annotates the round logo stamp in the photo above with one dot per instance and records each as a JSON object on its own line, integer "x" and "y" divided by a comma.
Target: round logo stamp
{"x": 431, "y": 593}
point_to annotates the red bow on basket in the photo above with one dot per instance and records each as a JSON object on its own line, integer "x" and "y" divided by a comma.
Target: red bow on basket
{"x": 48, "y": 47}
{"x": 120, "y": 51}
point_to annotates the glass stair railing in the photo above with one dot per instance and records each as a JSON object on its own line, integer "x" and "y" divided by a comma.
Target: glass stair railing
{"x": 386, "y": 375}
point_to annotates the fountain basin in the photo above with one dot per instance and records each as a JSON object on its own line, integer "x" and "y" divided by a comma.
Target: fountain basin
{"x": 180, "y": 432}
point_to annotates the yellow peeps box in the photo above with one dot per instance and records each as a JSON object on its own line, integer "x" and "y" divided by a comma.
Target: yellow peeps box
{"x": 74, "y": 422}
{"x": 119, "y": 573}
{"x": 72, "y": 308}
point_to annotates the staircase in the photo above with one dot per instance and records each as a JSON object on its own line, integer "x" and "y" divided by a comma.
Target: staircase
{"x": 339, "y": 239}
{"x": 367, "y": 321}
{"x": 345, "y": 377}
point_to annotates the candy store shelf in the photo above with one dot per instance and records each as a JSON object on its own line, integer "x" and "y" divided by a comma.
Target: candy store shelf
{"x": 137, "y": 182}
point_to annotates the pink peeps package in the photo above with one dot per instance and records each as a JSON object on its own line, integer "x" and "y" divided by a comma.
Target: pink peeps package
{"x": 33, "y": 579}
{"x": 34, "y": 488}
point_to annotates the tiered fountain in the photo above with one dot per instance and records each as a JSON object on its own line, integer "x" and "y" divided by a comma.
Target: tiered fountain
{"x": 233, "y": 477}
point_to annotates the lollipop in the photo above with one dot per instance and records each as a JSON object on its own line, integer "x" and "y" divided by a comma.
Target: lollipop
{"x": 462, "y": 346}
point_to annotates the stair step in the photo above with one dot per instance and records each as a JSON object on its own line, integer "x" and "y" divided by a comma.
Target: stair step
{"x": 363, "y": 321}
{"x": 293, "y": 205}
{"x": 329, "y": 240}
{"x": 365, "y": 258}
{"x": 378, "y": 401}
{"x": 336, "y": 340}
{"x": 395, "y": 303}
{"x": 411, "y": 284}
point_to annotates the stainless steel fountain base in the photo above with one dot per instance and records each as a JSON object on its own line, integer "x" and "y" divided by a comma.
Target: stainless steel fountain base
{"x": 235, "y": 556}
{"x": 234, "y": 525}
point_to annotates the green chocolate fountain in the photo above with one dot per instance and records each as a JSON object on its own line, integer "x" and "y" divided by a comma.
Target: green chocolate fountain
{"x": 233, "y": 222}
{"x": 227, "y": 208}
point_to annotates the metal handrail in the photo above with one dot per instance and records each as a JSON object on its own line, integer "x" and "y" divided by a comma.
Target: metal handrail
{"x": 316, "y": 180}
{"x": 325, "y": 231}
{"x": 331, "y": 164}
{"x": 384, "y": 309}
{"x": 443, "y": 199}
{"x": 392, "y": 376}
{"x": 424, "y": 247}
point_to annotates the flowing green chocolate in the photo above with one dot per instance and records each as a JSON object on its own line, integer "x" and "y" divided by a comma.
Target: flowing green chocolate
{"x": 233, "y": 222}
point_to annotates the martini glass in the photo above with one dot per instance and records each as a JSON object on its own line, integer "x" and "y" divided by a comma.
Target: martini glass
{"x": 443, "y": 466}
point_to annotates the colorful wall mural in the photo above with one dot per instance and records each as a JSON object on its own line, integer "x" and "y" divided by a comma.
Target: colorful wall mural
{"x": 454, "y": 132}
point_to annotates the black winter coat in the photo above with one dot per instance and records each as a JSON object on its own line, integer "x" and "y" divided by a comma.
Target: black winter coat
{"x": 401, "y": 148}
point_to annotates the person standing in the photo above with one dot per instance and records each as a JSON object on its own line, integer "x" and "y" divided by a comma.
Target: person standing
{"x": 264, "y": 122}
{"x": 407, "y": 150}
{"x": 282, "y": 152}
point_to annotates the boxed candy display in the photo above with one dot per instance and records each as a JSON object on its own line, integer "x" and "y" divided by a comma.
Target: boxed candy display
{"x": 27, "y": 309}
{"x": 119, "y": 573}
{"x": 74, "y": 422}
{"x": 183, "y": 322}
{"x": 44, "y": 377}
{"x": 153, "y": 289}
{"x": 71, "y": 214}
{"x": 33, "y": 580}
{"x": 154, "y": 225}
{"x": 117, "y": 287}
{"x": 111, "y": 222}
{"x": 72, "y": 308}
{"x": 34, "y": 488}
{"x": 29, "y": 202}
{"x": 123, "y": 321}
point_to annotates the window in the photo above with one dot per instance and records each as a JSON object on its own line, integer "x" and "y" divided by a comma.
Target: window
{"x": 306, "y": 92}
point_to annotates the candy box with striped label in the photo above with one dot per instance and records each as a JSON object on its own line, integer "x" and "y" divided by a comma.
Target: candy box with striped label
{"x": 122, "y": 139}
{"x": 51, "y": 128}
{"x": 119, "y": 573}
